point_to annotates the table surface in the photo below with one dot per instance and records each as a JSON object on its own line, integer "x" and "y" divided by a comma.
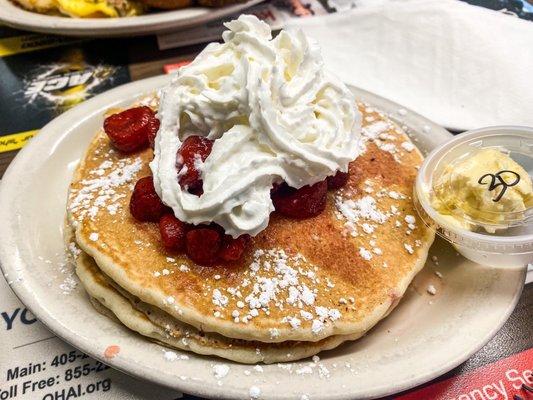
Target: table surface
{"x": 37, "y": 72}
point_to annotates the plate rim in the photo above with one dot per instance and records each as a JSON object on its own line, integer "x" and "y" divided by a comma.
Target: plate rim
{"x": 162, "y": 21}
{"x": 8, "y": 262}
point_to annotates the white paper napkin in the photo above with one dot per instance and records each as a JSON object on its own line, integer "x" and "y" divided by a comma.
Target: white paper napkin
{"x": 460, "y": 65}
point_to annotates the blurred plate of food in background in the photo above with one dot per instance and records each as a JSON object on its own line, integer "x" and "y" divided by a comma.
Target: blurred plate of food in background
{"x": 104, "y": 18}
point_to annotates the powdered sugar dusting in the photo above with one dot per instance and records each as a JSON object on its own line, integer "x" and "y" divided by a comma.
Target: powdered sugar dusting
{"x": 365, "y": 254}
{"x": 431, "y": 290}
{"x": 408, "y": 248}
{"x": 99, "y": 191}
{"x": 372, "y": 131}
{"x": 364, "y": 209}
{"x": 363, "y": 216}
{"x": 220, "y": 371}
{"x": 277, "y": 280}
{"x": 382, "y": 132}
{"x": 74, "y": 250}
{"x": 376, "y": 132}
{"x": 408, "y": 146}
{"x": 172, "y": 356}
{"x": 255, "y": 392}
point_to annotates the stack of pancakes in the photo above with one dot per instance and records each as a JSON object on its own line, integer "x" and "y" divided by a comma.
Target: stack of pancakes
{"x": 302, "y": 286}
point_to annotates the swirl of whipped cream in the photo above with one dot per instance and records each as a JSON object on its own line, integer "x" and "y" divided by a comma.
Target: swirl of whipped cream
{"x": 275, "y": 115}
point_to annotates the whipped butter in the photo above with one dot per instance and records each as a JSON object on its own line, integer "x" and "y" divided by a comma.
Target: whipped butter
{"x": 275, "y": 115}
{"x": 484, "y": 187}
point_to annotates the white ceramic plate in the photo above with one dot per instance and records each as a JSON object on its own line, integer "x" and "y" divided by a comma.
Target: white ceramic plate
{"x": 423, "y": 338}
{"x": 152, "y": 23}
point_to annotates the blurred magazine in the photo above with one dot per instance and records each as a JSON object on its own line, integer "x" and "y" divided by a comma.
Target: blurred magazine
{"x": 274, "y": 12}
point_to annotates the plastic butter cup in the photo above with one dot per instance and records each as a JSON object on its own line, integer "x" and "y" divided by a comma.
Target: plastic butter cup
{"x": 503, "y": 238}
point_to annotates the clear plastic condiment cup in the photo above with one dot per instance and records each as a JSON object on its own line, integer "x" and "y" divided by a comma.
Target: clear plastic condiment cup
{"x": 509, "y": 242}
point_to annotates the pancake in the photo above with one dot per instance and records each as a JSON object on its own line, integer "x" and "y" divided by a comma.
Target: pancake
{"x": 299, "y": 280}
{"x": 161, "y": 327}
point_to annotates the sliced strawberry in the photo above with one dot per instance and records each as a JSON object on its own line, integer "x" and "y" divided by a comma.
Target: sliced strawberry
{"x": 338, "y": 180}
{"x": 145, "y": 204}
{"x": 232, "y": 249}
{"x": 153, "y": 128}
{"x": 306, "y": 202}
{"x": 131, "y": 129}
{"x": 192, "y": 150}
{"x": 173, "y": 232}
{"x": 203, "y": 245}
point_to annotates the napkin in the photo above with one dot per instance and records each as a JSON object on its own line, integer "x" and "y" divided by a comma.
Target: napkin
{"x": 459, "y": 65}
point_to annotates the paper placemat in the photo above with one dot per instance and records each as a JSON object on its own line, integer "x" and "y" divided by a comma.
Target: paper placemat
{"x": 36, "y": 364}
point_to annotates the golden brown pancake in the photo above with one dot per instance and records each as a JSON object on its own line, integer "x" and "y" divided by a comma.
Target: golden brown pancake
{"x": 161, "y": 327}
{"x": 300, "y": 280}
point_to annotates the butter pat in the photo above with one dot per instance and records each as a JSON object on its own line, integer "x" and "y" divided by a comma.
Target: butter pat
{"x": 477, "y": 198}
{"x": 483, "y": 187}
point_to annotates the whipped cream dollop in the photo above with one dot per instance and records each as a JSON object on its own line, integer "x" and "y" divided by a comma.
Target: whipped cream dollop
{"x": 275, "y": 115}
